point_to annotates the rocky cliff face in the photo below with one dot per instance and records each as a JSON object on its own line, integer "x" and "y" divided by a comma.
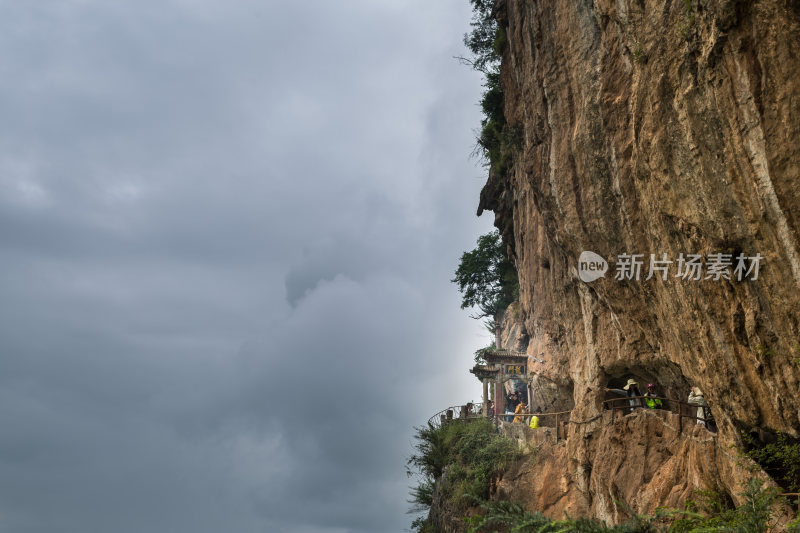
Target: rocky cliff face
{"x": 656, "y": 127}
{"x": 644, "y": 459}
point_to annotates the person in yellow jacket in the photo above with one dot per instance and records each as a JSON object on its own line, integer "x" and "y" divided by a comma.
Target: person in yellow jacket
{"x": 521, "y": 411}
{"x": 651, "y": 399}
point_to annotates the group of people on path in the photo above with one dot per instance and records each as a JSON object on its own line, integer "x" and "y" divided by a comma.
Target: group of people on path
{"x": 516, "y": 405}
{"x": 517, "y": 410}
{"x": 651, "y": 400}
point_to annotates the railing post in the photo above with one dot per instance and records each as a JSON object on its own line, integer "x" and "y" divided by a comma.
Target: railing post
{"x": 556, "y": 428}
{"x": 499, "y": 400}
{"x": 485, "y": 406}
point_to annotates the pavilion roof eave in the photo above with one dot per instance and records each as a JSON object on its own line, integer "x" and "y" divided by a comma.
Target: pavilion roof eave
{"x": 484, "y": 372}
{"x": 505, "y": 356}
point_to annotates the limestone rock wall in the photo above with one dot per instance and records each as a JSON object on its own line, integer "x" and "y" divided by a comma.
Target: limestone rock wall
{"x": 552, "y": 392}
{"x": 647, "y": 463}
{"x": 656, "y": 126}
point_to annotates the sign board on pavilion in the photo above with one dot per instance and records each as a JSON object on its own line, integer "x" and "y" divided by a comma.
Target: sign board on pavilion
{"x": 514, "y": 369}
{"x": 508, "y": 362}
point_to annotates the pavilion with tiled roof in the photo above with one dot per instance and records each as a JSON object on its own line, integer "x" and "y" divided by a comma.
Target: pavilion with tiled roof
{"x": 501, "y": 366}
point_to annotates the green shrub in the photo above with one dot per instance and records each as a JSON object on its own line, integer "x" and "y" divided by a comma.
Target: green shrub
{"x": 422, "y": 525}
{"x": 422, "y": 494}
{"x": 472, "y": 454}
{"x": 712, "y": 507}
{"x": 480, "y": 353}
{"x": 716, "y": 511}
{"x": 512, "y": 517}
{"x": 779, "y": 459}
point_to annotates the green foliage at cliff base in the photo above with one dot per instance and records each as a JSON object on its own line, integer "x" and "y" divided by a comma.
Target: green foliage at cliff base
{"x": 779, "y": 459}
{"x": 463, "y": 457}
{"x": 713, "y": 511}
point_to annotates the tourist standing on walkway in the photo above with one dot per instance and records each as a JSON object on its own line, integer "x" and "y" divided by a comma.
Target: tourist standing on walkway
{"x": 511, "y": 405}
{"x": 704, "y": 415}
{"x": 696, "y": 398}
{"x": 631, "y": 390}
{"x": 521, "y": 411}
{"x": 651, "y": 399}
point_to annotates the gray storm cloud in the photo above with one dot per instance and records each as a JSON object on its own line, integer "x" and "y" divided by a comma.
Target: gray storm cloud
{"x": 226, "y": 235}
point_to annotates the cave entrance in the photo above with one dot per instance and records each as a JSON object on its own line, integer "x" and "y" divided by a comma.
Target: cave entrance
{"x": 666, "y": 377}
{"x": 631, "y": 387}
{"x": 660, "y": 387}
{"x": 619, "y": 386}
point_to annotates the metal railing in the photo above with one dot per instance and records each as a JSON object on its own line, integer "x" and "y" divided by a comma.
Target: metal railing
{"x": 457, "y": 412}
{"x": 795, "y": 494}
{"x": 559, "y": 419}
{"x": 683, "y": 409}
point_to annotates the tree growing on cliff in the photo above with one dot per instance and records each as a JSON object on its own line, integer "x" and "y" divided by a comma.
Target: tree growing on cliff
{"x": 486, "y": 278}
{"x": 485, "y": 39}
{"x": 497, "y": 141}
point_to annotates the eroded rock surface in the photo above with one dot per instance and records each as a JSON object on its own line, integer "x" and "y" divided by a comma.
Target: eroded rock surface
{"x": 643, "y": 459}
{"x": 650, "y": 127}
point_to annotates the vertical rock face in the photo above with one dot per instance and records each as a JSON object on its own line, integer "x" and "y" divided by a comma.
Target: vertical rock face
{"x": 657, "y": 127}
{"x": 645, "y": 460}
{"x": 650, "y": 127}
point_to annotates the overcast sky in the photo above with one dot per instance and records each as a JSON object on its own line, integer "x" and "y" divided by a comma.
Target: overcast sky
{"x": 227, "y": 231}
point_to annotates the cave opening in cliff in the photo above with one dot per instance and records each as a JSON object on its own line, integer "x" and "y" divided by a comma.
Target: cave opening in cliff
{"x": 622, "y": 385}
{"x": 666, "y": 377}
{"x": 641, "y": 389}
